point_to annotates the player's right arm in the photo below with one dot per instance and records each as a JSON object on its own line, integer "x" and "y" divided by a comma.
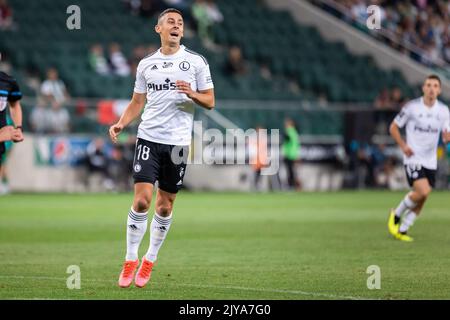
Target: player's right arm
{"x": 394, "y": 129}
{"x": 8, "y": 133}
{"x": 132, "y": 111}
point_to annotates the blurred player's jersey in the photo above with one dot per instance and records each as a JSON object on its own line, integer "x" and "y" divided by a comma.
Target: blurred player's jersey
{"x": 423, "y": 129}
{"x": 9, "y": 92}
{"x": 168, "y": 115}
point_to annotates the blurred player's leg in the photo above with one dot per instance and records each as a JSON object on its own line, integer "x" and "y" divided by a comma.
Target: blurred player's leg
{"x": 395, "y": 215}
{"x": 159, "y": 228}
{"x": 406, "y": 204}
{"x": 419, "y": 196}
{"x": 136, "y": 228}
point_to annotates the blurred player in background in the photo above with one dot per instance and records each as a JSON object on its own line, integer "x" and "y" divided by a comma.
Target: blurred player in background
{"x": 172, "y": 80}
{"x": 291, "y": 152}
{"x": 9, "y": 95}
{"x": 425, "y": 118}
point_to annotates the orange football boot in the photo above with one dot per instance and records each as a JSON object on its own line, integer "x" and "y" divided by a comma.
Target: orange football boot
{"x": 127, "y": 274}
{"x": 144, "y": 273}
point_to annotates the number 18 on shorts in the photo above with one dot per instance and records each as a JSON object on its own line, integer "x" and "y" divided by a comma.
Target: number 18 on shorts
{"x": 160, "y": 162}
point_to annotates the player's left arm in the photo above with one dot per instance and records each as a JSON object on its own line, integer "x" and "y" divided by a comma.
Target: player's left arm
{"x": 16, "y": 114}
{"x": 16, "y": 110}
{"x": 204, "y": 95}
{"x": 204, "y": 98}
{"x": 446, "y": 128}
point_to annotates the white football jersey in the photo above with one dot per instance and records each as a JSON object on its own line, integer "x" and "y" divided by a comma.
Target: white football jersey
{"x": 423, "y": 129}
{"x": 168, "y": 115}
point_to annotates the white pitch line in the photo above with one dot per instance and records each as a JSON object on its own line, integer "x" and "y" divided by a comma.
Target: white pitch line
{"x": 293, "y": 292}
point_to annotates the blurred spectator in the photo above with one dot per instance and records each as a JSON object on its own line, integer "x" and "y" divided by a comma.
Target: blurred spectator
{"x": 96, "y": 156}
{"x": 133, "y": 6}
{"x": 265, "y": 72}
{"x": 293, "y": 86}
{"x": 117, "y": 168}
{"x": 359, "y": 10}
{"x": 258, "y": 156}
{"x": 97, "y": 60}
{"x": 138, "y": 54}
{"x": 213, "y": 11}
{"x": 33, "y": 80}
{"x": 382, "y": 101}
{"x": 53, "y": 89}
{"x": 5, "y": 65}
{"x": 97, "y": 165}
{"x": 6, "y": 15}
{"x": 144, "y": 8}
{"x": 182, "y": 5}
{"x": 149, "y": 7}
{"x": 58, "y": 119}
{"x": 387, "y": 104}
{"x": 397, "y": 98}
{"x": 235, "y": 64}
{"x": 206, "y": 14}
{"x": 151, "y": 48}
{"x": 117, "y": 61}
{"x": 39, "y": 118}
{"x": 390, "y": 100}
{"x": 291, "y": 153}
{"x": 420, "y": 25}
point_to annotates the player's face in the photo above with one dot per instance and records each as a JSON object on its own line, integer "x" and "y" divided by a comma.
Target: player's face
{"x": 170, "y": 28}
{"x": 431, "y": 89}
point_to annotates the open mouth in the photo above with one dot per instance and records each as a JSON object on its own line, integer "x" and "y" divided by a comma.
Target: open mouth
{"x": 174, "y": 34}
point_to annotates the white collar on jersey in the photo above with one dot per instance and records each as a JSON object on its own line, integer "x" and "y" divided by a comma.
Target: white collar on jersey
{"x": 176, "y": 54}
{"x": 427, "y": 107}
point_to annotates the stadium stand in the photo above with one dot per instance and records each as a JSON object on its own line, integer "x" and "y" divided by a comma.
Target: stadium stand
{"x": 418, "y": 29}
{"x": 302, "y": 58}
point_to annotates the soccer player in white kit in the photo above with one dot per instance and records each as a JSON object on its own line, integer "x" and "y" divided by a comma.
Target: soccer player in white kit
{"x": 425, "y": 119}
{"x": 172, "y": 80}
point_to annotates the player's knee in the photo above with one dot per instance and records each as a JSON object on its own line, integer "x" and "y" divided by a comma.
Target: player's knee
{"x": 164, "y": 209}
{"x": 142, "y": 204}
{"x": 424, "y": 193}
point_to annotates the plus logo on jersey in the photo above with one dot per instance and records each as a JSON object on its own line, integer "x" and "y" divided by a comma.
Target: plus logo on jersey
{"x": 167, "y": 85}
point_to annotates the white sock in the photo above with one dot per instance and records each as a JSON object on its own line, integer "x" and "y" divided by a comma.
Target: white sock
{"x": 158, "y": 230}
{"x": 407, "y": 221}
{"x": 405, "y": 204}
{"x": 136, "y": 228}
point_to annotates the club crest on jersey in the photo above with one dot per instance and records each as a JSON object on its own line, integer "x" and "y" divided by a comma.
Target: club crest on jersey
{"x": 137, "y": 167}
{"x": 184, "y": 65}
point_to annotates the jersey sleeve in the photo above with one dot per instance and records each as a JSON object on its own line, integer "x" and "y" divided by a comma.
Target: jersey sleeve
{"x": 140, "y": 85}
{"x": 403, "y": 116}
{"x": 446, "y": 122}
{"x": 15, "y": 93}
{"x": 203, "y": 77}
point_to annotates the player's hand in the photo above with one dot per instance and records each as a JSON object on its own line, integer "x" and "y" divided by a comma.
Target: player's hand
{"x": 6, "y": 133}
{"x": 17, "y": 135}
{"x": 446, "y": 136}
{"x": 114, "y": 131}
{"x": 407, "y": 151}
{"x": 185, "y": 87}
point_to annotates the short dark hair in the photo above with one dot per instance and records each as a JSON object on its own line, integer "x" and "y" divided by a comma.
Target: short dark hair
{"x": 169, "y": 10}
{"x": 434, "y": 77}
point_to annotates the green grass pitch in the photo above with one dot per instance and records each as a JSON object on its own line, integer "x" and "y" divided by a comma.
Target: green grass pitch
{"x": 226, "y": 246}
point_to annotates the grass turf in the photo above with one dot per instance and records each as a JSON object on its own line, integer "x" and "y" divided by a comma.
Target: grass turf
{"x": 226, "y": 246}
